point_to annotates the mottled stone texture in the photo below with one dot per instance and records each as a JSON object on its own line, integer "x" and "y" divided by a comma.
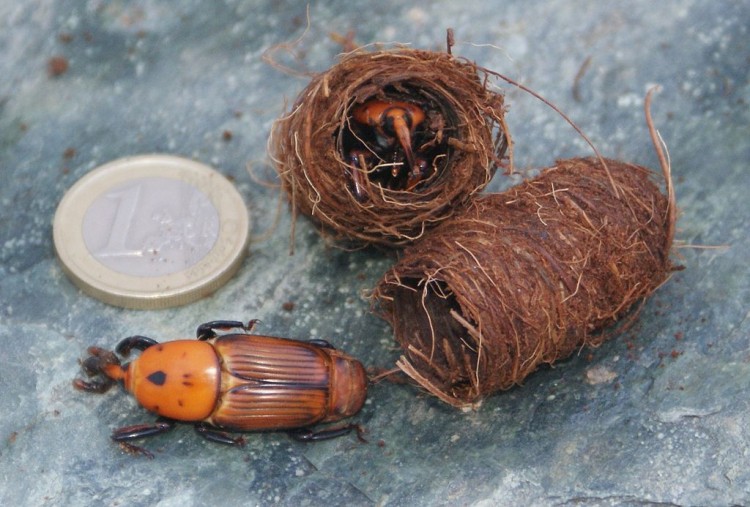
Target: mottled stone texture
{"x": 658, "y": 415}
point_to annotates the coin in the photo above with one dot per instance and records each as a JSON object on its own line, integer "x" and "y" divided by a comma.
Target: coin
{"x": 151, "y": 231}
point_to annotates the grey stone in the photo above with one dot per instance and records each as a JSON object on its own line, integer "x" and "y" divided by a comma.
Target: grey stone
{"x": 668, "y": 422}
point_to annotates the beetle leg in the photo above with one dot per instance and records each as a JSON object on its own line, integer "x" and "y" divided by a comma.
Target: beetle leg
{"x": 136, "y": 431}
{"x": 220, "y": 437}
{"x": 358, "y": 174}
{"x": 134, "y": 342}
{"x": 123, "y": 435}
{"x": 208, "y": 330}
{"x": 308, "y": 435}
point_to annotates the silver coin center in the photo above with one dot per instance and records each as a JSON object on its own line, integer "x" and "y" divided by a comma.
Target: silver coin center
{"x": 151, "y": 227}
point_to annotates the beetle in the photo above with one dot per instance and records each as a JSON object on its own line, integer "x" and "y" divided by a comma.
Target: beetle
{"x": 229, "y": 380}
{"x": 386, "y": 122}
{"x": 391, "y": 120}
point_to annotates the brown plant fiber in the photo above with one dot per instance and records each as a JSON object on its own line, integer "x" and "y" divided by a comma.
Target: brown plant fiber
{"x": 527, "y": 277}
{"x": 309, "y": 149}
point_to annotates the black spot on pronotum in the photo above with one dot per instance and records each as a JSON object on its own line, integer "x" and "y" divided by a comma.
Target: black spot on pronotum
{"x": 158, "y": 378}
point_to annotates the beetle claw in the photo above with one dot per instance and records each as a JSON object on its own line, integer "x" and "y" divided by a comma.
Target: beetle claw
{"x": 361, "y": 431}
{"x": 251, "y": 325}
{"x": 135, "y": 450}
